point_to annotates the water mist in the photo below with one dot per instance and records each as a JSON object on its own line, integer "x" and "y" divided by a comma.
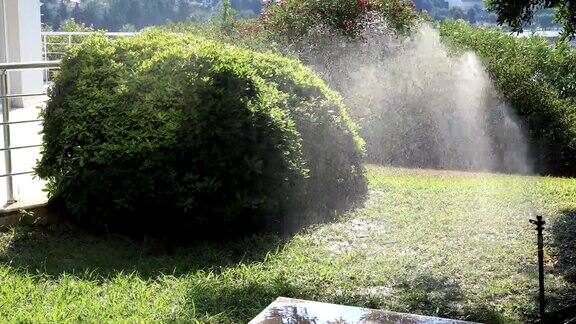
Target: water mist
{"x": 420, "y": 106}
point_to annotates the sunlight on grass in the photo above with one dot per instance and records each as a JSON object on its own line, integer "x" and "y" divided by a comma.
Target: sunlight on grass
{"x": 448, "y": 244}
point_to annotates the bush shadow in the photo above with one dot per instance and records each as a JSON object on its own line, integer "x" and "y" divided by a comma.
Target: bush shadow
{"x": 562, "y": 304}
{"x": 241, "y": 301}
{"x": 425, "y": 295}
{"x": 65, "y": 249}
{"x": 443, "y": 297}
{"x": 563, "y": 241}
{"x": 428, "y": 294}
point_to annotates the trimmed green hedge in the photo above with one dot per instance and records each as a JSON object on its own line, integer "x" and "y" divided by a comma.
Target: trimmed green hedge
{"x": 538, "y": 80}
{"x": 164, "y": 133}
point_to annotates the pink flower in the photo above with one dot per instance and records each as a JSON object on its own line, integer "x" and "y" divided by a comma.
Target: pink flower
{"x": 348, "y": 24}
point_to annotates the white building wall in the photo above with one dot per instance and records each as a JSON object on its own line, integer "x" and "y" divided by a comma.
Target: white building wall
{"x": 3, "y": 47}
{"x": 22, "y": 42}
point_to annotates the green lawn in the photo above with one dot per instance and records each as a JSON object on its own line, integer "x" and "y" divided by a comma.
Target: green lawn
{"x": 450, "y": 244}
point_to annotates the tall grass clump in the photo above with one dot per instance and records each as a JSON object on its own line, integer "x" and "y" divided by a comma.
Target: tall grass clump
{"x": 164, "y": 133}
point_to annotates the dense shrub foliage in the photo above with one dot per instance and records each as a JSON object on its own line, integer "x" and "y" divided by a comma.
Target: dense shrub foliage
{"x": 537, "y": 79}
{"x": 292, "y": 27}
{"x": 170, "y": 133}
{"x": 243, "y": 33}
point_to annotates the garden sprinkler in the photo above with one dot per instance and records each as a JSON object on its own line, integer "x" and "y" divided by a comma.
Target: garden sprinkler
{"x": 539, "y": 228}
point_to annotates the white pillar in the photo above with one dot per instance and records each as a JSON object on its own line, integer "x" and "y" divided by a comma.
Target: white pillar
{"x": 22, "y": 42}
{"x": 3, "y": 34}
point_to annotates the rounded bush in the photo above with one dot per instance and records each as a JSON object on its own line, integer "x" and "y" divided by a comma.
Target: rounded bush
{"x": 164, "y": 133}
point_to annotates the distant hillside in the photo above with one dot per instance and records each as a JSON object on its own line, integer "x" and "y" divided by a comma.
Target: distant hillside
{"x": 130, "y": 15}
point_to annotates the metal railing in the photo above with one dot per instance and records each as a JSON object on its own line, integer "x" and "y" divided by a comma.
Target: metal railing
{"x": 54, "y": 44}
{"x": 5, "y": 97}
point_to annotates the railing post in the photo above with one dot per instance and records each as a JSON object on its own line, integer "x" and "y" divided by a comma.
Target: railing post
{"x": 6, "y": 128}
{"x": 45, "y": 54}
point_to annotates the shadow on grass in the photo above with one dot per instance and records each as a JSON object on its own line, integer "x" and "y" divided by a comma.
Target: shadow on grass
{"x": 69, "y": 250}
{"x": 563, "y": 249}
{"x": 443, "y": 297}
{"x": 431, "y": 295}
{"x": 243, "y": 300}
{"x": 563, "y": 235}
{"x": 425, "y": 295}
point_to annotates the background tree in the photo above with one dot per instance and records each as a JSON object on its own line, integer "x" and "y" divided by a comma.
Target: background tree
{"x": 546, "y": 20}
{"x": 183, "y": 9}
{"x": 457, "y": 13}
{"x": 134, "y": 14}
{"x": 471, "y": 15}
{"x": 62, "y": 14}
{"x": 424, "y": 5}
{"x": 519, "y": 13}
{"x": 227, "y": 16}
{"x": 77, "y": 13}
{"x": 48, "y": 13}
